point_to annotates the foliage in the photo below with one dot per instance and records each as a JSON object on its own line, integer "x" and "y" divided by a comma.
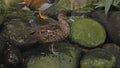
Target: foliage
{"x": 107, "y": 4}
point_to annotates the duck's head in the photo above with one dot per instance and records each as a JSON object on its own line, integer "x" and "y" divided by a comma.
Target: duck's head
{"x": 64, "y": 15}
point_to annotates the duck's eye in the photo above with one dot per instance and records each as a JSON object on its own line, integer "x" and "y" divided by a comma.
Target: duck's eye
{"x": 33, "y": 32}
{"x": 51, "y": 1}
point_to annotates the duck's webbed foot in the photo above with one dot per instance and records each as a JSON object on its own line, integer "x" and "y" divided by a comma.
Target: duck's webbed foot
{"x": 51, "y": 48}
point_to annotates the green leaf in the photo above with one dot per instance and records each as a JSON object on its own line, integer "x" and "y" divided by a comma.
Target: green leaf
{"x": 108, "y": 3}
{"x": 116, "y": 2}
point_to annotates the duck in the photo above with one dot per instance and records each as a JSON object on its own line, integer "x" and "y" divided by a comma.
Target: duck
{"x": 52, "y": 33}
{"x": 39, "y": 5}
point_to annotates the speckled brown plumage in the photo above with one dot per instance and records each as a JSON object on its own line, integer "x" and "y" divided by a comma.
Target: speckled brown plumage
{"x": 53, "y": 32}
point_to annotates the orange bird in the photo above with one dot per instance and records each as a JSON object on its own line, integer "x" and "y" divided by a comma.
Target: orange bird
{"x": 40, "y": 5}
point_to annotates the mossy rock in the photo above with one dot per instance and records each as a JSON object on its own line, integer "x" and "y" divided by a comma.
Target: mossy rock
{"x": 61, "y": 5}
{"x": 12, "y": 55}
{"x": 2, "y": 12}
{"x": 2, "y": 46}
{"x": 3, "y": 66}
{"x": 115, "y": 50}
{"x": 15, "y": 14}
{"x": 113, "y": 28}
{"x": 1, "y": 19}
{"x": 98, "y": 58}
{"x": 111, "y": 23}
{"x": 87, "y": 32}
{"x": 16, "y": 31}
{"x": 11, "y": 3}
{"x": 10, "y": 9}
{"x": 67, "y": 58}
{"x": 64, "y": 4}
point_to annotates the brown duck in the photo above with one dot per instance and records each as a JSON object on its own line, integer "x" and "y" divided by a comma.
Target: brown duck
{"x": 51, "y": 33}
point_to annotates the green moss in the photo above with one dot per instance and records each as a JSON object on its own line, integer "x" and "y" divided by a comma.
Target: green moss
{"x": 16, "y": 13}
{"x": 43, "y": 62}
{"x": 115, "y": 50}
{"x": 98, "y": 58}
{"x": 2, "y": 46}
{"x": 16, "y": 30}
{"x": 87, "y": 32}
{"x": 64, "y": 4}
{"x": 11, "y": 3}
{"x": 61, "y": 5}
{"x": 67, "y": 58}
{"x": 2, "y": 12}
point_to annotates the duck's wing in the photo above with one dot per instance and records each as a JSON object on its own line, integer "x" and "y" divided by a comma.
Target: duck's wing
{"x": 48, "y": 33}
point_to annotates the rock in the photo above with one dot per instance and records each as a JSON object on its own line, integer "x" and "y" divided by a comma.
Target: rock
{"x": 98, "y": 58}
{"x": 17, "y": 13}
{"x": 73, "y": 5}
{"x": 2, "y": 12}
{"x": 16, "y": 31}
{"x": 13, "y": 10}
{"x": 11, "y": 3}
{"x": 1, "y": 19}
{"x": 114, "y": 23}
{"x": 2, "y": 66}
{"x": 115, "y": 50}
{"x": 111, "y": 23}
{"x": 87, "y": 33}
{"x": 2, "y": 44}
{"x": 63, "y": 5}
{"x": 12, "y": 56}
{"x": 2, "y": 47}
{"x": 67, "y": 58}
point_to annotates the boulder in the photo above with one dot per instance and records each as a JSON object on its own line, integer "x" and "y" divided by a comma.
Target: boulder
{"x": 115, "y": 50}
{"x": 111, "y": 23}
{"x": 16, "y": 31}
{"x": 87, "y": 33}
{"x": 67, "y": 57}
{"x": 98, "y": 58}
{"x": 2, "y": 46}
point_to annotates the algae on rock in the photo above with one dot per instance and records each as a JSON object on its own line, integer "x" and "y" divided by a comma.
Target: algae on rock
{"x": 111, "y": 23}
{"x": 16, "y": 31}
{"x": 2, "y": 46}
{"x": 115, "y": 50}
{"x": 12, "y": 9}
{"x": 98, "y": 58}
{"x": 68, "y": 57}
{"x": 87, "y": 32}
{"x": 11, "y": 3}
{"x": 2, "y": 12}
